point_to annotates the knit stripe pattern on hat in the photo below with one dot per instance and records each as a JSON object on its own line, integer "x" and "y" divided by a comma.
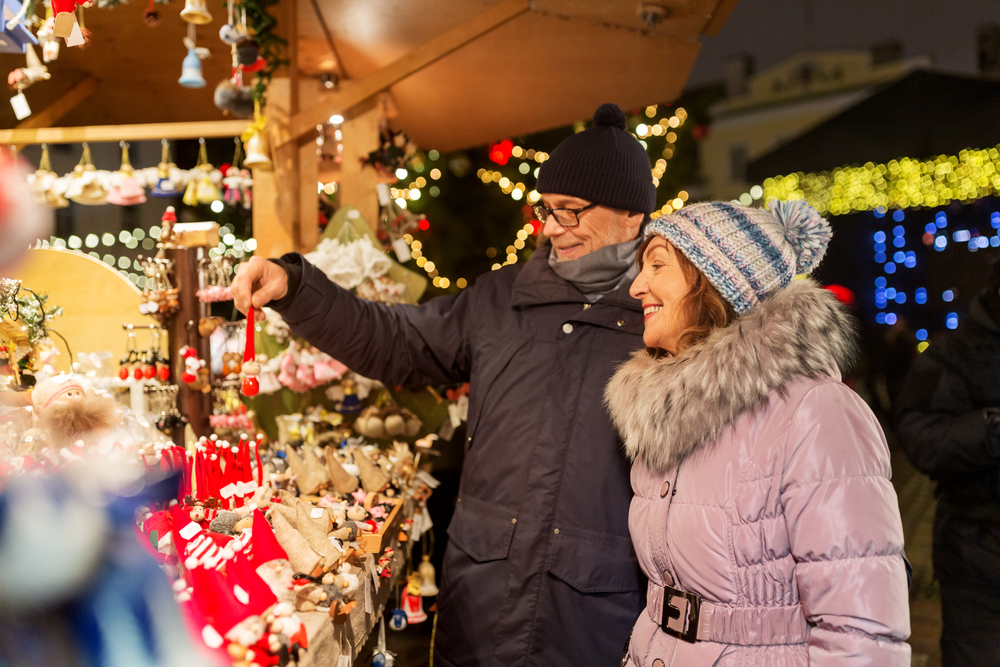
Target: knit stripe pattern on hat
{"x": 604, "y": 165}
{"x": 748, "y": 254}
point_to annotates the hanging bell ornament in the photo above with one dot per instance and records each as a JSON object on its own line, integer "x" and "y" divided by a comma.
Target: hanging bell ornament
{"x": 257, "y": 150}
{"x": 428, "y": 587}
{"x": 191, "y": 76}
{"x": 196, "y": 12}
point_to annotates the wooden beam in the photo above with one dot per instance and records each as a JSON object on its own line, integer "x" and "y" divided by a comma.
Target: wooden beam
{"x": 352, "y": 93}
{"x": 115, "y": 133}
{"x": 719, "y": 17}
{"x": 62, "y": 106}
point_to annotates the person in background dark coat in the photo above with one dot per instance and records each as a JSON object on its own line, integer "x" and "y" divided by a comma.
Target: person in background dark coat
{"x": 949, "y": 427}
{"x": 539, "y": 568}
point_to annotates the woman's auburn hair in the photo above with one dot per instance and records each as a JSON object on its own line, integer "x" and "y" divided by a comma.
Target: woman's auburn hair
{"x": 703, "y": 303}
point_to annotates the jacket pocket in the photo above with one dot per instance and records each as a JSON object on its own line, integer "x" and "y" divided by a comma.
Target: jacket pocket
{"x": 481, "y": 530}
{"x": 595, "y": 562}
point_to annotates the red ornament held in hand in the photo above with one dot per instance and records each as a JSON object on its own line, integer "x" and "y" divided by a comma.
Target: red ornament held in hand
{"x": 250, "y": 366}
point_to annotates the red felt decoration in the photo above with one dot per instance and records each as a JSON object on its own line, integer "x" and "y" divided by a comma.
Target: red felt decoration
{"x": 250, "y": 385}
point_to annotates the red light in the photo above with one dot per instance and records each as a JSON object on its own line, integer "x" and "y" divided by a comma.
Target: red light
{"x": 536, "y": 226}
{"x": 500, "y": 152}
{"x": 424, "y": 225}
{"x": 844, "y": 295}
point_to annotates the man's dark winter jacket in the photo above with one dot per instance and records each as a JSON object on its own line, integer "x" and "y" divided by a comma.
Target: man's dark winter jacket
{"x": 945, "y": 429}
{"x": 539, "y": 568}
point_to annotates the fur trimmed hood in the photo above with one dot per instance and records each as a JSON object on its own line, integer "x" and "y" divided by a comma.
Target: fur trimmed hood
{"x": 666, "y": 409}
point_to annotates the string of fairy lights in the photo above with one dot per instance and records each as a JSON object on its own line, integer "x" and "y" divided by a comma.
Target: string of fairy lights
{"x": 530, "y": 161}
{"x": 897, "y": 184}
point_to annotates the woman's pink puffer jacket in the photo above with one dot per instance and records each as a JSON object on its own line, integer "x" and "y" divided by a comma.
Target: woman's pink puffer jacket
{"x": 762, "y": 487}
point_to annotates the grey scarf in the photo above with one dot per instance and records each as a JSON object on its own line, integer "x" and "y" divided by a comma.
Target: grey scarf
{"x": 599, "y": 272}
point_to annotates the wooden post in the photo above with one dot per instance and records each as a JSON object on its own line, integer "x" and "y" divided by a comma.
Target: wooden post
{"x": 357, "y": 182}
{"x": 285, "y": 213}
{"x": 194, "y": 405}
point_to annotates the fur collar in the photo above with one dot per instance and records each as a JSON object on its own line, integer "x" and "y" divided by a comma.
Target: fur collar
{"x": 666, "y": 409}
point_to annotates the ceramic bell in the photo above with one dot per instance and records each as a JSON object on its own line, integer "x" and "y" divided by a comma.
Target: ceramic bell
{"x": 42, "y": 184}
{"x": 87, "y": 185}
{"x": 257, "y": 150}
{"x": 428, "y": 587}
{"x": 196, "y": 12}
{"x": 191, "y": 76}
{"x": 126, "y": 191}
{"x": 165, "y": 186}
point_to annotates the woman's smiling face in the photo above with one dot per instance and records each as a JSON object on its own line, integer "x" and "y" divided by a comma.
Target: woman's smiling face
{"x": 661, "y": 286}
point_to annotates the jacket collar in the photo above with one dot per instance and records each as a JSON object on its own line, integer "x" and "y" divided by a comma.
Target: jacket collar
{"x": 666, "y": 409}
{"x": 537, "y": 284}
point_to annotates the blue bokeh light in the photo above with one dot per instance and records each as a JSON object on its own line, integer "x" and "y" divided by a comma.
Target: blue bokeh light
{"x": 880, "y": 281}
{"x": 879, "y": 237}
{"x": 880, "y": 257}
{"x": 879, "y": 247}
{"x": 890, "y": 293}
{"x": 947, "y": 296}
{"x": 921, "y": 334}
{"x": 930, "y": 228}
{"x": 879, "y": 212}
{"x": 951, "y": 321}
{"x": 941, "y": 220}
{"x": 898, "y": 230}
{"x": 890, "y": 267}
{"x": 899, "y": 242}
{"x": 898, "y": 216}
{"x": 940, "y": 243}
{"x": 890, "y": 318}
{"x": 880, "y": 318}
{"x": 920, "y": 295}
{"x": 899, "y": 257}
{"x": 900, "y": 297}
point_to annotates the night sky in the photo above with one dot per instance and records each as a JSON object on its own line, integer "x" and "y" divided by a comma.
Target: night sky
{"x": 771, "y": 30}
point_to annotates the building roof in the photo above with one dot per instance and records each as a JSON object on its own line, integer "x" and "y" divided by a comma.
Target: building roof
{"x": 921, "y": 115}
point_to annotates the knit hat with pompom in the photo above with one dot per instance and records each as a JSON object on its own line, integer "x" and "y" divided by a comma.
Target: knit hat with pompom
{"x": 748, "y": 254}
{"x": 603, "y": 164}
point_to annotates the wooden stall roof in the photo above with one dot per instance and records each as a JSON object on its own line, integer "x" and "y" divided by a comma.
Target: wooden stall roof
{"x": 548, "y": 66}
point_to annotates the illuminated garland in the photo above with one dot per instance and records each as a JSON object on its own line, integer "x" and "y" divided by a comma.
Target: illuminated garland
{"x": 898, "y": 184}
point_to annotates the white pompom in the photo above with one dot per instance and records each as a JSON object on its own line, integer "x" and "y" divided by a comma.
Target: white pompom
{"x": 805, "y": 229}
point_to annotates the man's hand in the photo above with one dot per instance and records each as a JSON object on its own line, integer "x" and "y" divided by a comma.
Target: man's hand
{"x": 258, "y": 283}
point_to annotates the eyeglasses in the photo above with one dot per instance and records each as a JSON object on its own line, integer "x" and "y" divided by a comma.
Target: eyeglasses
{"x": 565, "y": 217}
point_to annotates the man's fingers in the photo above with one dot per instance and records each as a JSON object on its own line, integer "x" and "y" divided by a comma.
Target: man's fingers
{"x": 243, "y": 284}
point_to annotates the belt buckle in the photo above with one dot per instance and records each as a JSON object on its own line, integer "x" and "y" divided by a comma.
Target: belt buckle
{"x": 680, "y": 620}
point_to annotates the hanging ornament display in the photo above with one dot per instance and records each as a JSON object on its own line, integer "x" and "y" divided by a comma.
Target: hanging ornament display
{"x": 45, "y": 185}
{"x": 87, "y": 185}
{"x": 412, "y": 602}
{"x": 255, "y": 142}
{"x": 216, "y": 278}
{"x": 196, "y": 12}
{"x": 201, "y": 189}
{"x": 14, "y": 32}
{"x": 125, "y": 190}
{"x": 394, "y": 152}
{"x": 191, "y": 74}
{"x": 48, "y": 41}
{"x": 24, "y": 77}
{"x": 234, "y": 181}
{"x": 165, "y": 185}
{"x": 66, "y": 24}
{"x": 159, "y": 298}
{"x": 250, "y": 387}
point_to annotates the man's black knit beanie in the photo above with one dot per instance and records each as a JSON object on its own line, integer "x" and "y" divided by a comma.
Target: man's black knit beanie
{"x": 604, "y": 164}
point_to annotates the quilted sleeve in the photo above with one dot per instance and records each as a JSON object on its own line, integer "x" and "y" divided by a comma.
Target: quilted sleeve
{"x": 845, "y": 532}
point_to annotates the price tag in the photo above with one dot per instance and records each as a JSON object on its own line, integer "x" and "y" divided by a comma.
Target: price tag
{"x": 21, "y": 108}
{"x": 402, "y": 250}
{"x": 382, "y": 190}
{"x": 75, "y": 37}
{"x": 317, "y": 513}
{"x": 228, "y": 490}
{"x": 189, "y": 531}
{"x": 368, "y": 596}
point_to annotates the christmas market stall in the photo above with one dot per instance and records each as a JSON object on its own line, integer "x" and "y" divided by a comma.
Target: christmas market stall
{"x": 283, "y": 495}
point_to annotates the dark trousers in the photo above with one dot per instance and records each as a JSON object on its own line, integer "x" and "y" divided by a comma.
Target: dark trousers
{"x": 970, "y": 636}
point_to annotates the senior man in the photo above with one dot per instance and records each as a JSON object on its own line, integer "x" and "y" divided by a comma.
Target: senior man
{"x": 539, "y": 568}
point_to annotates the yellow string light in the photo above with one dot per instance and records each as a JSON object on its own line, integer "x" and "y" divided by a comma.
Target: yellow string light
{"x": 897, "y": 184}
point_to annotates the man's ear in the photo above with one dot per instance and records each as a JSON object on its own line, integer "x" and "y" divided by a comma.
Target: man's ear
{"x": 634, "y": 220}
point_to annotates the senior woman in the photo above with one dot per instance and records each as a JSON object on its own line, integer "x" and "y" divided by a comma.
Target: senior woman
{"x": 763, "y": 512}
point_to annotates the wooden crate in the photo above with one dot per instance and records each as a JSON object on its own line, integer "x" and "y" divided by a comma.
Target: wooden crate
{"x": 376, "y": 542}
